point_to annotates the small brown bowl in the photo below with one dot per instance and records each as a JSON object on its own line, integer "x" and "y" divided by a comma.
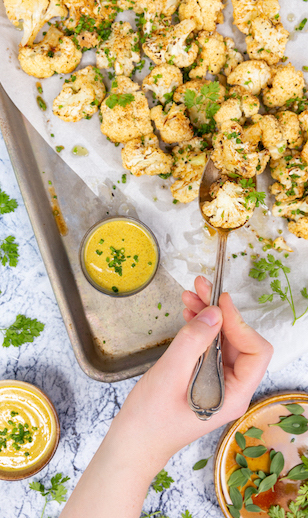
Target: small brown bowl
{"x": 88, "y": 235}
{"x": 259, "y": 415}
{"x": 34, "y": 406}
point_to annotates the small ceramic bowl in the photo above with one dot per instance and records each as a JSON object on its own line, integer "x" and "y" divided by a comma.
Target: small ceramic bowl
{"x": 266, "y": 412}
{"x": 26, "y": 405}
{"x": 130, "y": 223}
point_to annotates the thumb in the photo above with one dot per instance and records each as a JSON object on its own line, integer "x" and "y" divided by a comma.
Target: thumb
{"x": 192, "y": 341}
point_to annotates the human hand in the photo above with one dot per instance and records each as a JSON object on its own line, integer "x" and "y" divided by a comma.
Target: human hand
{"x": 157, "y": 406}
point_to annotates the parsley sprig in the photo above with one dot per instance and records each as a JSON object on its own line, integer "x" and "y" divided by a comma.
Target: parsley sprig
{"x": 119, "y": 99}
{"x": 56, "y": 492}
{"x": 6, "y": 203}
{"x": 252, "y": 195}
{"x": 9, "y": 251}
{"x": 22, "y": 331}
{"x": 297, "y": 508}
{"x": 273, "y": 267}
{"x": 205, "y": 101}
{"x": 162, "y": 481}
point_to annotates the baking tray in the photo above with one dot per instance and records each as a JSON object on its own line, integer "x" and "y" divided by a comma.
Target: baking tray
{"x": 113, "y": 339}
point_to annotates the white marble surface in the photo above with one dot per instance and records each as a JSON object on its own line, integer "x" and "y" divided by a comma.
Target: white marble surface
{"x": 86, "y": 407}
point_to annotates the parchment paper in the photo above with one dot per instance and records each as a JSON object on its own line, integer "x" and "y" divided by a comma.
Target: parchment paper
{"x": 186, "y": 247}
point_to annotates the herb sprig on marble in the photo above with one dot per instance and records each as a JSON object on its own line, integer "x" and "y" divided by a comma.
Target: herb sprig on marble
{"x": 9, "y": 251}
{"x": 56, "y": 492}
{"x": 22, "y": 331}
{"x": 162, "y": 481}
{"x": 7, "y": 204}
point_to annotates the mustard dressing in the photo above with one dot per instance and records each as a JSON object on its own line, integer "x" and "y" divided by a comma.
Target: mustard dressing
{"x": 27, "y": 429}
{"x": 120, "y": 256}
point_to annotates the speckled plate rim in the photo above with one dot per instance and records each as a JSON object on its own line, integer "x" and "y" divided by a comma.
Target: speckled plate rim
{"x": 88, "y": 235}
{"x": 230, "y": 429}
{"x": 24, "y": 384}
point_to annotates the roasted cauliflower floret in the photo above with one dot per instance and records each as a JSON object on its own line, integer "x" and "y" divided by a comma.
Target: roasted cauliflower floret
{"x": 142, "y": 155}
{"x": 125, "y": 113}
{"x": 299, "y": 227}
{"x": 120, "y": 50}
{"x": 290, "y": 170}
{"x": 233, "y": 155}
{"x": 290, "y": 128}
{"x": 34, "y": 15}
{"x": 209, "y": 96}
{"x": 174, "y": 126}
{"x": 250, "y": 104}
{"x": 171, "y": 47}
{"x": 230, "y": 207}
{"x": 272, "y": 136}
{"x": 303, "y": 119}
{"x": 212, "y": 56}
{"x": 229, "y": 109}
{"x": 293, "y": 210}
{"x": 241, "y": 104}
{"x": 163, "y": 81}
{"x": 245, "y": 11}
{"x": 280, "y": 244}
{"x": 281, "y": 193}
{"x": 233, "y": 57}
{"x": 56, "y": 53}
{"x": 206, "y": 13}
{"x": 148, "y": 7}
{"x": 80, "y": 95}
{"x": 253, "y": 75}
{"x": 266, "y": 41}
{"x": 85, "y": 15}
{"x": 189, "y": 160}
{"x": 286, "y": 83}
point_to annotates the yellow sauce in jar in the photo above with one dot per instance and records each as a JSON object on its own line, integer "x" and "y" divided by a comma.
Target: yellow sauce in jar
{"x": 28, "y": 429}
{"x": 120, "y": 256}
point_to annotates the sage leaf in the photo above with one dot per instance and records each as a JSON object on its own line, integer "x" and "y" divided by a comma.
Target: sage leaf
{"x": 239, "y": 477}
{"x": 240, "y": 439}
{"x": 257, "y": 482}
{"x": 241, "y": 461}
{"x": 249, "y": 501}
{"x": 236, "y": 498}
{"x": 277, "y": 463}
{"x": 304, "y": 460}
{"x": 254, "y": 451}
{"x": 299, "y": 472}
{"x": 267, "y": 483}
{"x": 249, "y": 491}
{"x": 201, "y": 463}
{"x": 272, "y": 454}
{"x": 233, "y": 511}
{"x": 296, "y": 424}
{"x": 254, "y": 432}
{"x": 262, "y": 475}
{"x": 252, "y": 508}
{"x": 294, "y": 408}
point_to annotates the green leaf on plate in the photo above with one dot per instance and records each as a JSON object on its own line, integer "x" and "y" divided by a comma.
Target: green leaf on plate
{"x": 294, "y": 408}
{"x": 236, "y": 497}
{"x": 240, "y": 439}
{"x": 254, "y": 451}
{"x": 254, "y": 432}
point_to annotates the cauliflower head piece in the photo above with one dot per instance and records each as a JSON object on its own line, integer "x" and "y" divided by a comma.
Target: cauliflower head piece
{"x": 34, "y": 15}
{"x": 230, "y": 207}
{"x": 286, "y": 83}
{"x": 233, "y": 57}
{"x": 125, "y": 112}
{"x": 292, "y": 210}
{"x": 253, "y": 75}
{"x": 290, "y": 170}
{"x": 80, "y": 96}
{"x": 189, "y": 161}
{"x": 266, "y": 41}
{"x": 233, "y": 155}
{"x": 240, "y": 105}
{"x": 291, "y": 129}
{"x": 173, "y": 125}
{"x": 142, "y": 156}
{"x": 206, "y": 13}
{"x": 299, "y": 227}
{"x": 245, "y": 11}
{"x": 85, "y": 16}
{"x": 56, "y": 53}
{"x": 121, "y": 50}
{"x": 212, "y": 56}
{"x": 162, "y": 82}
{"x": 171, "y": 46}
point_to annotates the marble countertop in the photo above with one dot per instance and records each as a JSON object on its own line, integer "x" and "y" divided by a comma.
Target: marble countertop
{"x": 86, "y": 407}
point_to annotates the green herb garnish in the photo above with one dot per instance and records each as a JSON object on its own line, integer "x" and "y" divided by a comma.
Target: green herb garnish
{"x": 119, "y": 99}
{"x": 22, "y": 331}
{"x": 41, "y": 103}
{"x": 9, "y": 251}
{"x": 201, "y": 464}
{"x": 6, "y": 203}
{"x": 162, "y": 481}
{"x": 273, "y": 267}
{"x": 56, "y": 492}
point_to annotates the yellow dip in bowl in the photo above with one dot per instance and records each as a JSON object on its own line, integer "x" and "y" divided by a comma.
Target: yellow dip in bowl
{"x": 119, "y": 256}
{"x": 29, "y": 430}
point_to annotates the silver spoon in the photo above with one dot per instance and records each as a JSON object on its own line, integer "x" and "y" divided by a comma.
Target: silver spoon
{"x": 206, "y": 390}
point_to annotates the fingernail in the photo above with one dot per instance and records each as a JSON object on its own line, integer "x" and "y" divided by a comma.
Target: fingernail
{"x": 206, "y": 281}
{"x": 210, "y": 316}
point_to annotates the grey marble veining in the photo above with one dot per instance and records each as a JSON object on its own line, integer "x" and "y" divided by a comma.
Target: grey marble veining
{"x": 86, "y": 407}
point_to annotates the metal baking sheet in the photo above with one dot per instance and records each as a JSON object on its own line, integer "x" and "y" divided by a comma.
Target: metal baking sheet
{"x": 113, "y": 339}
